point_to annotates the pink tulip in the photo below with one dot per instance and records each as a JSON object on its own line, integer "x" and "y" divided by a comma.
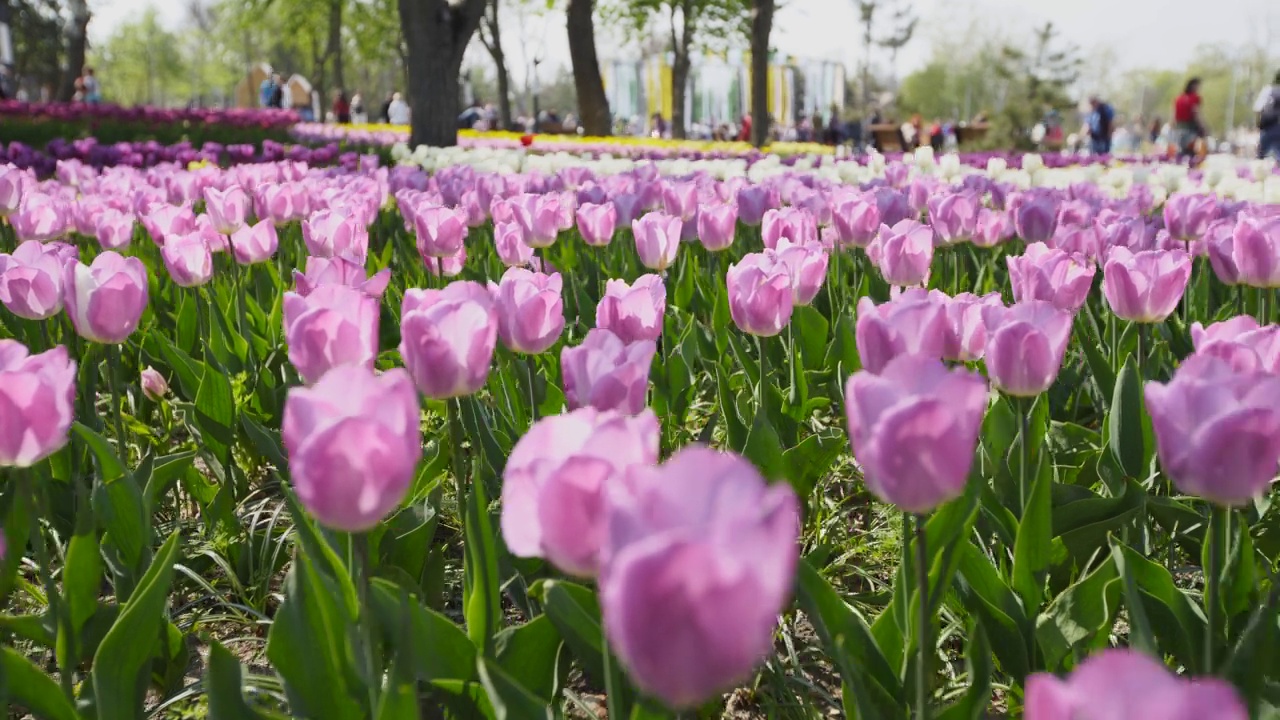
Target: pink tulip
{"x": 283, "y": 203}
{"x": 791, "y": 223}
{"x": 699, "y": 559}
{"x": 1025, "y": 346}
{"x": 1145, "y": 287}
{"x": 37, "y": 403}
{"x": 717, "y": 225}
{"x": 447, "y": 338}
{"x": 105, "y": 299}
{"x": 354, "y": 440}
{"x": 954, "y": 216}
{"x": 188, "y": 260}
{"x": 856, "y": 219}
{"x": 154, "y": 386}
{"x": 441, "y": 231}
{"x": 903, "y": 253}
{"x": 1125, "y": 684}
{"x": 471, "y": 207}
{"x": 967, "y": 328}
{"x": 13, "y": 183}
{"x": 226, "y": 209}
{"x": 1240, "y": 342}
{"x": 508, "y": 241}
{"x": 333, "y": 325}
{"x": 31, "y": 280}
{"x": 340, "y": 271}
{"x": 657, "y": 239}
{"x": 1256, "y": 251}
{"x": 331, "y": 233}
{"x": 993, "y": 228}
{"x": 807, "y": 266}
{"x": 914, "y": 427}
{"x": 42, "y": 218}
{"x": 754, "y": 201}
{"x": 447, "y": 266}
{"x": 540, "y": 217}
{"x": 530, "y": 310}
{"x": 253, "y": 244}
{"x": 1220, "y": 246}
{"x": 1045, "y": 273}
{"x": 633, "y": 312}
{"x": 606, "y": 373}
{"x": 167, "y": 221}
{"x": 555, "y": 482}
{"x": 915, "y": 323}
{"x": 761, "y": 298}
{"x": 115, "y": 229}
{"x": 1187, "y": 216}
{"x": 1217, "y": 429}
{"x": 597, "y": 223}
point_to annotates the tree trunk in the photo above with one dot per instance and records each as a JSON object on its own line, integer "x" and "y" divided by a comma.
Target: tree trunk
{"x": 334, "y": 50}
{"x": 593, "y": 104}
{"x": 679, "y": 86}
{"x": 493, "y": 43}
{"x": 77, "y": 44}
{"x": 761, "y": 27}
{"x": 436, "y": 34}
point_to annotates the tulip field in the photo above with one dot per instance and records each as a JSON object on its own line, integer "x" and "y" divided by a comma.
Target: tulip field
{"x": 494, "y": 434}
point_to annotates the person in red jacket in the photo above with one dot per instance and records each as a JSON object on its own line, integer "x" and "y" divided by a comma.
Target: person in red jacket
{"x": 1187, "y": 127}
{"x": 342, "y": 108}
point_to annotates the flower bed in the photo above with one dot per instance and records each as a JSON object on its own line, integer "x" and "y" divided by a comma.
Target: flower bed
{"x": 40, "y": 123}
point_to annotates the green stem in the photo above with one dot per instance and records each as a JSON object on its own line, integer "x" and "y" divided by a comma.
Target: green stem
{"x": 529, "y": 373}
{"x": 35, "y": 500}
{"x": 1024, "y": 427}
{"x": 368, "y": 631}
{"x": 1219, "y": 518}
{"x": 791, "y": 364}
{"x": 117, "y": 397}
{"x": 923, "y": 648}
{"x": 761, "y": 394}
{"x": 457, "y": 457}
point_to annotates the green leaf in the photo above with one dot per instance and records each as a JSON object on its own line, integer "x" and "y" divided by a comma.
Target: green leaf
{"x": 1033, "y": 549}
{"x": 977, "y": 697}
{"x": 842, "y": 356}
{"x": 530, "y": 654}
{"x": 399, "y": 699}
{"x": 1079, "y": 619}
{"x": 120, "y": 667}
{"x": 764, "y": 449}
{"x": 575, "y": 611}
{"x": 185, "y": 369}
{"x": 81, "y": 583}
{"x": 428, "y": 643}
{"x": 109, "y": 465}
{"x": 1098, "y": 361}
{"x": 481, "y": 592}
{"x": 510, "y": 700}
{"x": 1083, "y": 525}
{"x": 16, "y": 526}
{"x": 1174, "y": 619}
{"x": 215, "y": 414}
{"x": 321, "y": 552}
{"x": 808, "y": 462}
{"x": 735, "y": 429}
{"x": 811, "y": 330}
{"x": 225, "y": 679}
{"x": 30, "y": 687}
{"x": 1125, "y": 439}
{"x": 307, "y": 646}
{"x": 164, "y": 471}
{"x": 984, "y": 593}
{"x": 119, "y": 508}
{"x": 267, "y": 442}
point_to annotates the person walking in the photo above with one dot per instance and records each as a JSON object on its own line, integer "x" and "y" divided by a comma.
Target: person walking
{"x": 398, "y": 110}
{"x": 1187, "y": 126}
{"x": 1101, "y": 121}
{"x": 358, "y": 115}
{"x": 342, "y": 108}
{"x": 1267, "y": 106}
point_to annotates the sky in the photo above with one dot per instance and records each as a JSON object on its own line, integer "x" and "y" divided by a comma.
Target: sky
{"x": 1136, "y": 33}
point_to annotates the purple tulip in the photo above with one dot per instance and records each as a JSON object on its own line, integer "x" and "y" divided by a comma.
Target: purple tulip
{"x": 188, "y": 260}
{"x": 892, "y": 206}
{"x": 717, "y": 225}
{"x": 1079, "y": 240}
{"x": 856, "y": 220}
{"x": 633, "y": 312}
{"x": 37, "y": 403}
{"x": 530, "y": 310}
{"x": 254, "y": 244}
{"x": 31, "y": 281}
{"x": 807, "y": 266}
{"x": 606, "y": 373}
{"x": 1036, "y": 217}
{"x": 447, "y": 338}
{"x": 753, "y": 201}
{"x": 1145, "y": 287}
{"x": 1256, "y": 250}
{"x": 322, "y": 271}
{"x": 761, "y": 298}
{"x": 105, "y": 299}
{"x": 330, "y": 233}
{"x": 1187, "y": 216}
{"x": 657, "y": 240}
{"x": 699, "y": 560}
{"x": 1125, "y": 684}
{"x": 681, "y": 200}
{"x": 791, "y": 223}
{"x": 914, "y": 323}
{"x": 967, "y": 326}
{"x": 331, "y": 326}
{"x": 914, "y": 427}
{"x": 903, "y": 253}
{"x": 1241, "y": 342}
{"x": 597, "y": 223}
{"x": 354, "y": 440}
{"x": 227, "y": 209}
{"x": 1045, "y": 273}
{"x": 555, "y": 481}
{"x": 154, "y": 386}
{"x": 1025, "y": 346}
{"x": 1219, "y": 240}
